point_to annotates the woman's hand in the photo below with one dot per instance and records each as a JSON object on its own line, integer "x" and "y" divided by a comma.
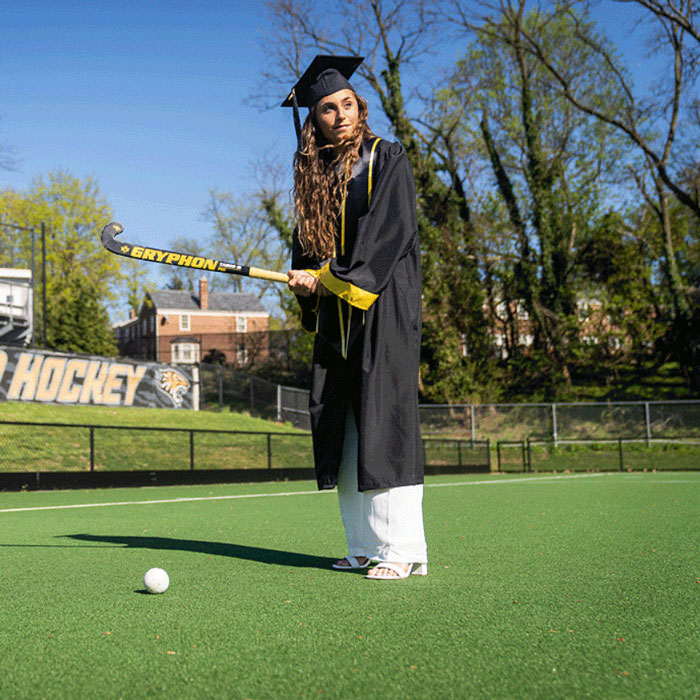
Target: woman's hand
{"x": 302, "y": 283}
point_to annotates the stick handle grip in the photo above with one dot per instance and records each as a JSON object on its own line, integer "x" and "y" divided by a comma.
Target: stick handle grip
{"x": 261, "y": 274}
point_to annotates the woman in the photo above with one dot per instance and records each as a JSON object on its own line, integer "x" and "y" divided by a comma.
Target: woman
{"x": 356, "y": 274}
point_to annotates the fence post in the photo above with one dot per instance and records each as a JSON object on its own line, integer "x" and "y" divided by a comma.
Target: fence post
{"x": 92, "y": 448}
{"x": 201, "y": 387}
{"x": 554, "y": 424}
{"x": 459, "y": 452}
{"x": 279, "y": 403}
{"x": 269, "y": 451}
{"x": 529, "y": 457}
{"x": 221, "y": 387}
{"x": 524, "y": 455}
{"x": 488, "y": 452}
{"x": 498, "y": 454}
{"x": 648, "y": 422}
{"x": 471, "y": 414}
{"x": 192, "y": 450}
{"x": 619, "y": 447}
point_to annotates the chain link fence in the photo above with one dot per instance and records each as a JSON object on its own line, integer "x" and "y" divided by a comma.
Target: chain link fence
{"x": 225, "y": 388}
{"x": 564, "y": 421}
{"x": 543, "y": 421}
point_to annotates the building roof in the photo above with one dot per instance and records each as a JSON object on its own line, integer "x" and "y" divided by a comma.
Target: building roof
{"x": 12, "y": 273}
{"x": 187, "y": 301}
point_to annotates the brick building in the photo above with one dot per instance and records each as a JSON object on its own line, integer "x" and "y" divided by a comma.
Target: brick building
{"x": 511, "y": 326}
{"x": 177, "y": 326}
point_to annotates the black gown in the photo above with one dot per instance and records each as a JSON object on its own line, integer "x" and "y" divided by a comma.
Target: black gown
{"x": 367, "y": 343}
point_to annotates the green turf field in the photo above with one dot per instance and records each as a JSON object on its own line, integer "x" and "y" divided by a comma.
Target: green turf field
{"x": 573, "y": 586}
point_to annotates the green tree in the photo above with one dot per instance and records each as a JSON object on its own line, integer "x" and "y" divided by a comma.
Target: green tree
{"x": 78, "y": 269}
{"x": 76, "y": 313}
{"x": 619, "y": 274}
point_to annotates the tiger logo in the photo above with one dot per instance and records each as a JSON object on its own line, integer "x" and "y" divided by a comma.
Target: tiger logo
{"x": 174, "y": 385}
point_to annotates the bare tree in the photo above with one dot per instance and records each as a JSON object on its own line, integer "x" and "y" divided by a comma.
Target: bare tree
{"x": 682, "y": 14}
{"x": 650, "y": 124}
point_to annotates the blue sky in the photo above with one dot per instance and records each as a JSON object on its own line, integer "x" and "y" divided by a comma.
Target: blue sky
{"x": 147, "y": 97}
{"x": 150, "y": 99}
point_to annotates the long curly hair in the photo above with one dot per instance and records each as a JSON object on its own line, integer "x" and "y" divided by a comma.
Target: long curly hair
{"x": 321, "y": 174}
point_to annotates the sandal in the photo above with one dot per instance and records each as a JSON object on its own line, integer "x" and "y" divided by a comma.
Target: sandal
{"x": 401, "y": 571}
{"x": 353, "y": 562}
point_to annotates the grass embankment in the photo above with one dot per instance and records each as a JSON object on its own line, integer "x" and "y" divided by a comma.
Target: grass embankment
{"x": 602, "y": 381}
{"x": 27, "y": 448}
{"x": 632, "y": 383}
{"x": 140, "y": 417}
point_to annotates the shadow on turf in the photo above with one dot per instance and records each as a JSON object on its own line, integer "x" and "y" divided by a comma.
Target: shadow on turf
{"x": 222, "y": 549}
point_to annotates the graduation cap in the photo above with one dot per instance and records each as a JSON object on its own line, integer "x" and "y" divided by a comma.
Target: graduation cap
{"x": 325, "y": 76}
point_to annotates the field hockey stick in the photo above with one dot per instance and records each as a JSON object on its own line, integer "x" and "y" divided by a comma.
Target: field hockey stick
{"x": 170, "y": 257}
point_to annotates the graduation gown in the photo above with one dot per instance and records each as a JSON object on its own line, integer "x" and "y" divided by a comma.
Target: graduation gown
{"x": 367, "y": 344}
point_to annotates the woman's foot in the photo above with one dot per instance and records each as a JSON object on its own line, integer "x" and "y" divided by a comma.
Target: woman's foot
{"x": 351, "y": 563}
{"x": 384, "y": 572}
{"x": 388, "y": 571}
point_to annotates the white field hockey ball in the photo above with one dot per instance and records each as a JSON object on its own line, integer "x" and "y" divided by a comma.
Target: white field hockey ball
{"x": 156, "y": 580}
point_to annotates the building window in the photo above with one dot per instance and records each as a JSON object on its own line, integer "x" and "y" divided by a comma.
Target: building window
{"x": 241, "y": 324}
{"x": 184, "y": 322}
{"x": 522, "y": 312}
{"x": 185, "y": 353}
{"x": 242, "y": 355}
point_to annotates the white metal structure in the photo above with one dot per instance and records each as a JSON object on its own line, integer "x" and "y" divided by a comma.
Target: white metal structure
{"x": 16, "y": 306}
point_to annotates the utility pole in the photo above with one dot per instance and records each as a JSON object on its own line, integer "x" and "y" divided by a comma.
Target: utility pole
{"x": 43, "y": 280}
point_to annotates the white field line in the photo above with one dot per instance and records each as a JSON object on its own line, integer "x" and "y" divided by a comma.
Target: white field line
{"x": 535, "y": 479}
{"x": 164, "y": 500}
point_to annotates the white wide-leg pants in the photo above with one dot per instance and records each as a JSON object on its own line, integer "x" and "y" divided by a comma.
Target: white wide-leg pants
{"x": 384, "y": 525}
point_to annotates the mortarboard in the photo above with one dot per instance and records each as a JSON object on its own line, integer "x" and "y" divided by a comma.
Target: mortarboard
{"x": 325, "y": 75}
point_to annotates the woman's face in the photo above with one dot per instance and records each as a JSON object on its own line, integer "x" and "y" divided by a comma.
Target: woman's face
{"x": 337, "y": 115}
